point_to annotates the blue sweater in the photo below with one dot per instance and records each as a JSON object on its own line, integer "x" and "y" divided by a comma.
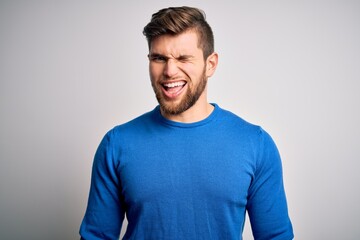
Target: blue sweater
{"x": 186, "y": 181}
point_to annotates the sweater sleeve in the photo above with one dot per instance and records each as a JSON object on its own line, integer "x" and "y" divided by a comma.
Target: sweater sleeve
{"x": 267, "y": 207}
{"x": 105, "y": 210}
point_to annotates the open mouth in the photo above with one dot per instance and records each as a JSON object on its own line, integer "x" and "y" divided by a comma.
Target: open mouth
{"x": 173, "y": 89}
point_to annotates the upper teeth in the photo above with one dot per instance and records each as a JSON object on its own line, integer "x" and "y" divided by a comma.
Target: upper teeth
{"x": 174, "y": 84}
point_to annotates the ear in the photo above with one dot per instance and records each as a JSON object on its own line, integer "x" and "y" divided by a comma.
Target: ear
{"x": 211, "y": 64}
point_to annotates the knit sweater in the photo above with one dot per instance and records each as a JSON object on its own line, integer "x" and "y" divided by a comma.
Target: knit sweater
{"x": 186, "y": 181}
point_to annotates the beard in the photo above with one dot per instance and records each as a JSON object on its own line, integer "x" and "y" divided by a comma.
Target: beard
{"x": 189, "y": 99}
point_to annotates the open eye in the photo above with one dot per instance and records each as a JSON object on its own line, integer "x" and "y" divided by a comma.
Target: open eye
{"x": 157, "y": 58}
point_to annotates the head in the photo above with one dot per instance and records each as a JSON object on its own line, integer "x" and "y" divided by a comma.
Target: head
{"x": 181, "y": 58}
{"x": 176, "y": 20}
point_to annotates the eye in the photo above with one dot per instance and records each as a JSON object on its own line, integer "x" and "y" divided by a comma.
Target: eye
{"x": 158, "y": 58}
{"x": 184, "y": 58}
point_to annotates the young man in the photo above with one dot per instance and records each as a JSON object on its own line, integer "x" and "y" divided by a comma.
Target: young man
{"x": 188, "y": 169}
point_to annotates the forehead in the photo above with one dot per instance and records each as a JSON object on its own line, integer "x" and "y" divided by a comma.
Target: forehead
{"x": 183, "y": 43}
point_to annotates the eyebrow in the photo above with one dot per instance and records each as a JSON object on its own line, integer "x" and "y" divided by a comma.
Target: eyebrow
{"x": 152, "y": 55}
{"x": 181, "y": 57}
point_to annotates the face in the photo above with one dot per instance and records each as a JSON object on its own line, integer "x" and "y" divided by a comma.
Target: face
{"x": 178, "y": 72}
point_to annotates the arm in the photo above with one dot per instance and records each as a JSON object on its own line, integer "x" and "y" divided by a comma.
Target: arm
{"x": 267, "y": 207}
{"x": 105, "y": 211}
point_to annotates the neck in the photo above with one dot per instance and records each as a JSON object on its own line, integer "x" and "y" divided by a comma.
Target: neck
{"x": 199, "y": 111}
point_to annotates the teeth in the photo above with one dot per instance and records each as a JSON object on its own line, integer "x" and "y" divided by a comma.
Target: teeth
{"x": 174, "y": 84}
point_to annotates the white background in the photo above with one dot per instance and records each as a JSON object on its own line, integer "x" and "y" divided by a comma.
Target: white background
{"x": 71, "y": 70}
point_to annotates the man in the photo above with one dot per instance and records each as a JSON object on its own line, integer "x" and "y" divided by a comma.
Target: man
{"x": 188, "y": 169}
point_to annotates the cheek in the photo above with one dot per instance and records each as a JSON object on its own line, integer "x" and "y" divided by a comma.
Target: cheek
{"x": 194, "y": 72}
{"x": 155, "y": 71}
{"x": 188, "y": 69}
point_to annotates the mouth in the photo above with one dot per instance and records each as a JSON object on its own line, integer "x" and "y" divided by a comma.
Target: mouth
{"x": 173, "y": 89}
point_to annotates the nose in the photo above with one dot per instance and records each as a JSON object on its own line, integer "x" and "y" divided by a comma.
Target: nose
{"x": 171, "y": 68}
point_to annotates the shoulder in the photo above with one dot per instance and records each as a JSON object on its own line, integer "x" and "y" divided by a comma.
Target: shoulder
{"x": 132, "y": 132}
{"x": 257, "y": 140}
{"x": 236, "y": 125}
{"x": 127, "y": 134}
{"x": 135, "y": 125}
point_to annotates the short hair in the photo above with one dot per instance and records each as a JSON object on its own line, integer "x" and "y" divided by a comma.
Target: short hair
{"x": 176, "y": 20}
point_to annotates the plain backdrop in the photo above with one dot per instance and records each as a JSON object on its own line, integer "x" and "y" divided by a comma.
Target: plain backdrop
{"x": 71, "y": 70}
